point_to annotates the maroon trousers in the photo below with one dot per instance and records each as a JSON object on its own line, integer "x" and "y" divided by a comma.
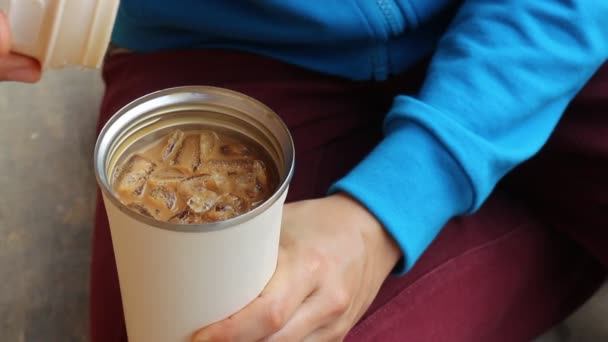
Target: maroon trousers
{"x": 533, "y": 253}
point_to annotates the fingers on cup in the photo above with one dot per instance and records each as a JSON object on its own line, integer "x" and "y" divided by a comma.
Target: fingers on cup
{"x": 258, "y": 320}
{"x": 5, "y": 35}
{"x": 14, "y": 67}
{"x": 271, "y": 311}
{"x": 315, "y": 313}
{"x": 19, "y": 68}
{"x": 335, "y": 332}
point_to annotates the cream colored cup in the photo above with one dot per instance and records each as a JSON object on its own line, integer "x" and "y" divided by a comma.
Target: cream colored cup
{"x": 177, "y": 278}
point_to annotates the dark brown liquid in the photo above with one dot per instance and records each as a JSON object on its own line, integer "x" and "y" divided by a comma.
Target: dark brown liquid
{"x": 196, "y": 177}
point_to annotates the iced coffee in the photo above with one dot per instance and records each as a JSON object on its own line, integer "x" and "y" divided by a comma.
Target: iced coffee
{"x": 194, "y": 177}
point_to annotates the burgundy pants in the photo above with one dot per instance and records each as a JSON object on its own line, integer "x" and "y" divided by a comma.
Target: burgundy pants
{"x": 533, "y": 253}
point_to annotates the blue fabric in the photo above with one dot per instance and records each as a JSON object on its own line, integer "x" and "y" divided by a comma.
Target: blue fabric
{"x": 501, "y": 76}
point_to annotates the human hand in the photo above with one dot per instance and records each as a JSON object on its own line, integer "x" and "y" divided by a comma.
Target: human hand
{"x": 14, "y": 67}
{"x": 333, "y": 258}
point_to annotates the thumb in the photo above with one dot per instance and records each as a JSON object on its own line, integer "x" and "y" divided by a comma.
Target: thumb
{"x": 15, "y": 67}
{"x": 5, "y": 35}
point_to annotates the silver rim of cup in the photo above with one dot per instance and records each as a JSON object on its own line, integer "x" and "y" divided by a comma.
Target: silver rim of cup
{"x": 196, "y": 105}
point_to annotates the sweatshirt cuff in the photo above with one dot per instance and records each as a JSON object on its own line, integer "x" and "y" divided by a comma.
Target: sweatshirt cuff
{"x": 411, "y": 183}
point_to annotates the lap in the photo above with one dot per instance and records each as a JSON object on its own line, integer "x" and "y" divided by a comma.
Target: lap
{"x": 498, "y": 275}
{"x": 566, "y": 183}
{"x": 503, "y": 270}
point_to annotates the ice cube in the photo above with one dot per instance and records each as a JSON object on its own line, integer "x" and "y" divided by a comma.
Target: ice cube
{"x": 235, "y": 150}
{"x": 246, "y": 185}
{"x": 139, "y": 208}
{"x": 227, "y": 167}
{"x": 189, "y": 156}
{"x": 202, "y": 202}
{"x": 227, "y": 207}
{"x": 246, "y": 178}
{"x": 218, "y": 183}
{"x": 186, "y": 217}
{"x": 132, "y": 177}
{"x": 162, "y": 198}
{"x": 208, "y": 143}
{"x": 193, "y": 185}
{"x": 173, "y": 147}
{"x": 243, "y": 182}
{"x": 166, "y": 176}
{"x": 198, "y": 184}
{"x": 261, "y": 174}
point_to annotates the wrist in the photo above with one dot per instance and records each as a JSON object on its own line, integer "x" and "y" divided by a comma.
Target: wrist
{"x": 379, "y": 243}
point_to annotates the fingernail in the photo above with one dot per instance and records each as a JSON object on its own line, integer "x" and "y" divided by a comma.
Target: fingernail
{"x": 22, "y": 75}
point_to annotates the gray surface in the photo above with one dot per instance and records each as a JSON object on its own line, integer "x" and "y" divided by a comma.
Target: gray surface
{"x": 588, "y": 324}
{"x": 46, "y": 207}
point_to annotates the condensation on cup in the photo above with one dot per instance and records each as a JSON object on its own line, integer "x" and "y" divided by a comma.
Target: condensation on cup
{"x": 176, "y": 278}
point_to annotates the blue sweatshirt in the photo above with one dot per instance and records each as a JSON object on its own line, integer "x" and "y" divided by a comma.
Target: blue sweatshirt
{"x": 501, "y": 76}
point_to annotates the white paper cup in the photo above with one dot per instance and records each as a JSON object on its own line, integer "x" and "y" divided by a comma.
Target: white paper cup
{"x": 62, "y": 32}
{"x": 177, "y": 278}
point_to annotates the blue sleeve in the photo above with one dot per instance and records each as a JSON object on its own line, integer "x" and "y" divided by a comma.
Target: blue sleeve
{"x": 500, "y": 80}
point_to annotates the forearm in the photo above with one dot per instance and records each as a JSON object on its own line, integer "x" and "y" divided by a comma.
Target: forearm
{"x": 501, "y": 77}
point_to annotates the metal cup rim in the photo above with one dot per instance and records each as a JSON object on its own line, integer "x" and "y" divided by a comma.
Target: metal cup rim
{"x": 104, "y": 184}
